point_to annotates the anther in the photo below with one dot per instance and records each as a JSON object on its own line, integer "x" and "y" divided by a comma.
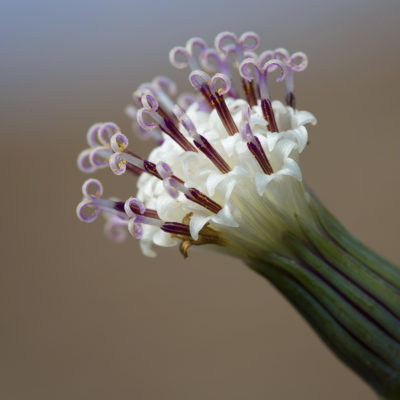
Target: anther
{"x": 254, "y": 145}
{"x": 173, "y": 187}
{"x": 162, "y": 120}
{"x": 201, "y": 142}
{"x": 251, "y": 70}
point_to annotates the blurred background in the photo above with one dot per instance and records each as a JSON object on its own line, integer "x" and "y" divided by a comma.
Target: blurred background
{"x": 84, "y": 318}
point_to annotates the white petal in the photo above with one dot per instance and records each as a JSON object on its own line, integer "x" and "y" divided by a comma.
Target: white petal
{"x": 197, "y": 221}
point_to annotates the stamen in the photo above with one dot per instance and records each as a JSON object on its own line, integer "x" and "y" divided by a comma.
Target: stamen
{"x": 138, "y": 214}
{"x": 98, "y": 157}
{"x": 187, "y": 55}
{"x": 214, "y": 62}
{"x": 95, "y": 203}
{"x": 251, "y": 70}
{"x": 296, "y": 62}
{"x": 254, "y": 145}
{"x": 249, "y": 92}
{"x": 133, "y": 207}
{"x": 122, "y": 160}
{"x": 163, "y": 121}
{"x": 84, "y": 163}
{"x": 227, "y": 43}
{"x": 173, "y": 187}
{"x": 131, "y": 112}
{"x": 201, "y": 142}
{"x": 98, "y": 137}
{"x": 208, "y": 87}
{"x": 201, "y": 81}
{"x": 176, "y": 228}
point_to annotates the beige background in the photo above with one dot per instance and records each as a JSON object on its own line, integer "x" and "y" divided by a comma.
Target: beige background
{"x": 84, "y": 318}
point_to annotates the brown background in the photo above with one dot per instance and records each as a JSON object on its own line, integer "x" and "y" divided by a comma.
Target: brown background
{"x": 84, "y": 318}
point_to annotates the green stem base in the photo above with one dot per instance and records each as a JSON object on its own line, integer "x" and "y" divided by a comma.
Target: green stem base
{"x": 347, "y": 293}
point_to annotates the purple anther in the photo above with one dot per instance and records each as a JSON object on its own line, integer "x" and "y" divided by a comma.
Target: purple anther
{"x": 227, "y": 43}
{"x": 133, "y": 207}
{"x": 118, "y": 142}
{"x": 106, "y": 131}
{"x": 135, "y": 229}
{"x": 220, "y": 80}
{"x": 99, "y": 156}
{"x": 92, "y": 188}
{"x": 183, "y": 57}
{"x": 176, "y": 228}
{"x": 84, "y": 163}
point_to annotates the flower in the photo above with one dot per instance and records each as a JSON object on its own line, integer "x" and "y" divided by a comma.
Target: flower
{"x": 225, "y": 172}
{"x": 225, "y": 175}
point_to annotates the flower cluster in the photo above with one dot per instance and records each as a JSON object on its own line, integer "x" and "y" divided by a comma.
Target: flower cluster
{"x": 225, "y": 170}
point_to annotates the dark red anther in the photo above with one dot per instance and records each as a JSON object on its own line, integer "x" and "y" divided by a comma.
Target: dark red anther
{"x": 269, "y": 115}
{"x": 200, "y": 198}
{"x": 176, "y": 228}
{"x": 205, "y": 147}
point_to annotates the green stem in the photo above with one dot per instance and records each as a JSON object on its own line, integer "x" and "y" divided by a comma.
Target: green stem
{"x": 348, "y": 294}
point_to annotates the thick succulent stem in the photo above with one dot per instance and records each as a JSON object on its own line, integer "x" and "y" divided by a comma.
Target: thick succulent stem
{"x": 348, "y": 294}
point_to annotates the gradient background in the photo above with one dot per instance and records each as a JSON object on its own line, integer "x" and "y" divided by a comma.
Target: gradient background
{"x": 84, "y": 318}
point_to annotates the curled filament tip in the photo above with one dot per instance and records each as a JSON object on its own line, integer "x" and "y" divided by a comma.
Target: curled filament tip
{"x": 220, "y": 80}
{"x": 134, "y": 204}
{"x": 183, "y": 57}
{"x": 92, "y": 185}
{"x": 118, "y": 142}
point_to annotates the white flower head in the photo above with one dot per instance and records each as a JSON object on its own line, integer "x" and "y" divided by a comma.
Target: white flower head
{"x": 225, "y": 172}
